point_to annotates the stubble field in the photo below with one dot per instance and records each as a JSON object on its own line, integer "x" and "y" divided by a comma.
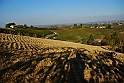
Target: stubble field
{"x": 25, "y": 59}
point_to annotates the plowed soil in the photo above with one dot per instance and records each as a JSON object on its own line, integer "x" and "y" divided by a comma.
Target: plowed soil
{"x": 26, "y": 59}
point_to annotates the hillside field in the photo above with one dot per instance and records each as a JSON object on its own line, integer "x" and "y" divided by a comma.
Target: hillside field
{"x": 25, "y": 59}
{"x": 64, "y": 34}
{"x": 75, "y": 35}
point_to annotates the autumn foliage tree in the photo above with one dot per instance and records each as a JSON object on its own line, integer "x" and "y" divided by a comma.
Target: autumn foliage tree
{"x": 121, "y": 45}
{"x": 113, "y": 40}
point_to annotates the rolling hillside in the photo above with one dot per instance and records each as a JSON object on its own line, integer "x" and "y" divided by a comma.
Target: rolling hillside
{"x": 26, "y": 59}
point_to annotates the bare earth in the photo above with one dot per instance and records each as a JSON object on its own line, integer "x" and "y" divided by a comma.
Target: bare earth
{"x": 26, "y": 59}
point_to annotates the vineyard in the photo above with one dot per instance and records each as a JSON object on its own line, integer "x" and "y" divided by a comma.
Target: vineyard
{"x": 25, "y": 59}
{"x": 27, "y": 32}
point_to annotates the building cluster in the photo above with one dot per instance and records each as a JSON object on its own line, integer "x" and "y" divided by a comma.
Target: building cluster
{"x": 16, "y": 26}
{"x": 101, "y": 27}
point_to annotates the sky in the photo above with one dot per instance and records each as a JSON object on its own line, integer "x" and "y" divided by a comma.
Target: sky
{"x": 45, "y": 12}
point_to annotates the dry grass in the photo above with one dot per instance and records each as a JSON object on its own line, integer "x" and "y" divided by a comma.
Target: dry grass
{"x": 35, "y": 60}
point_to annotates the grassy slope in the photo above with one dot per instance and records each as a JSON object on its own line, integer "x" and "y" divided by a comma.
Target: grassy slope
{"x": 75, "y": 35}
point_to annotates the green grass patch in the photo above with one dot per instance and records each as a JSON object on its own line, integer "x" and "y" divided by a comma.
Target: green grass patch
{"x": 76, "y": 35}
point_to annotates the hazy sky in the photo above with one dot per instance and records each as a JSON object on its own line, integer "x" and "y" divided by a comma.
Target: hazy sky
{"x": 35, "y": 12}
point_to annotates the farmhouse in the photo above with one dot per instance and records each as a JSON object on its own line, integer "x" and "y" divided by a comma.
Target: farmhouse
{"x": 102, "y": 27}
{"x": 16, "y": 26}
{"x": 97, "y": 40}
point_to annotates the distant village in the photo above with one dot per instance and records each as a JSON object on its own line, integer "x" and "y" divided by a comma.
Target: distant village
{"x": 101, "y": 25}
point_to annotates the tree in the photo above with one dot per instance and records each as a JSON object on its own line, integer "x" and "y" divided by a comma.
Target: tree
{"x": 96, "y": 25}
{"x": 81, "y": 25}
{"x": 107, "y": 38}
{"x": 121, "y": 46}
{"x": 90, "y": 40}
{"x": 75, "y": 25}
{"x": 9, "y": 24}
{"x": 84, "y": 40}
{"x": 31, "y": 26}
{"x": 113, "y": 39}
{"x": 25, "y": 26}
{"x": 108, "y": 26}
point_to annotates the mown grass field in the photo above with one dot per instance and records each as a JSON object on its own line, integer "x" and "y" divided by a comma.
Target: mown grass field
{"x": 76, "y": 35}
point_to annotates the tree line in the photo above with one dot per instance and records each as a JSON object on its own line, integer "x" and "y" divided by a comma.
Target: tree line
{"x": 107, "y": 26}
{"x": 8, "y": 25}
{"x": 114, "y": 40}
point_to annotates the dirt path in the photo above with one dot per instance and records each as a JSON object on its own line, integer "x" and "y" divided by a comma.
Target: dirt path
{"x": 35, "y": 60}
